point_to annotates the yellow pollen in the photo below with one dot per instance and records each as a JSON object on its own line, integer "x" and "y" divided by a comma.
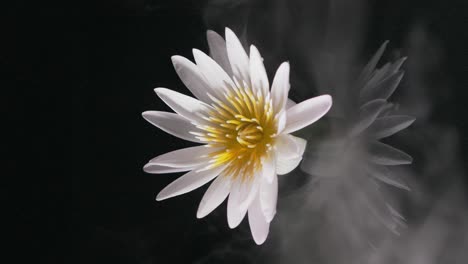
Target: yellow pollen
{"x": 242, "y": 126}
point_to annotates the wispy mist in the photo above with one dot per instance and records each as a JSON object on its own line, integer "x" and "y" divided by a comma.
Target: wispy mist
{"x": 356, "y": 197}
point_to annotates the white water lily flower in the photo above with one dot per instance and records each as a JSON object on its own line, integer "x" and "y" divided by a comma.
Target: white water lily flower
{"x": 243, "y": 125}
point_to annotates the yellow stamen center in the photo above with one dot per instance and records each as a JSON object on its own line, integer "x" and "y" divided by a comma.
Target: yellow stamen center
{"x": 243, "y": 126}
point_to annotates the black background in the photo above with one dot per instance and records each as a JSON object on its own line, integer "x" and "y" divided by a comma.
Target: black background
{"x": 99, "y": 207}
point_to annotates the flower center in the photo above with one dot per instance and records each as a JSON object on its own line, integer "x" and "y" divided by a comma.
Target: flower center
{"x": 249, "y": 134}
{"x": 242, "y": 125}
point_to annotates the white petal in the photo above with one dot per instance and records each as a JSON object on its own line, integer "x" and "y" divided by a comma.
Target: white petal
{"x": 237, "y": 56}
{"x": 158, "y": 169}
{"x": 269, "y": 167}
{"x": 214, "y": 196}
{"x": 280, "y": 87}
{"x": 370, "y": 67}
{"x": 171, "y": 123}
{"x": 384, "y": 154}
{"x": 184, "y": 105}
{"x": 285, "y": 166}
{"x": 247, "y": 190}
{"x": 377, "y": 76}
{"x": 281, "y": 122}
{"x": 258, "y": 224}
{"x": 290, "y": 103}
{"x": 192, "y": 77}
{"x": 241, "y": 196}
{"x": 367, "y": 115}
{"x": 218, "y": 50}
{"x": 235, "y": 213}
{"x": 289, "y": 151}
{"x": 389, "y": 125}
{"x": 188, "y": 182}
{"x": 307, "y": 112}
{"x": 216, "y": 77}
{"x": 289, "y": 146}
{"x": 382, "y": 90}
{"x": 269, "y": 197}
{"x": 383, "y": 174}
{"x": 187, "y": 157}
{"x": 258, "y": 74}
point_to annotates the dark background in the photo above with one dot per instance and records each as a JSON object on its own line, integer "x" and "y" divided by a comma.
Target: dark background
{"x": 95, "y": 204}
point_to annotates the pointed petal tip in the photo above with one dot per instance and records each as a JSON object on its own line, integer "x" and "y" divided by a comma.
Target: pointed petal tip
{"x": 163, "y": 195}
{"x": 280, "y": 86}
{"x": 200, "y": 214}
{"x": 196, "y": 52}
{"x": 232, "y": 38}
{"x": 328, "y": 98}
{"x": 232, "y": 225}
{"x": 410, "y": 120}
{"x": 235, "y": 218}
{"x": 410, "y": 159}
{"x": 163, "y": 92}
{"x": 145, "y": 114}
{"x": 259, "y": 226}
{"x": 235, "y": 222}
{"x": 383, "y": 154}
{"x": 253, "y": 49}
{"x": 228, "y": 31}
{"x": 150, "y": 113}
{"x": 176, "y": 59}
{"x": 270, "y": 218}
{"x": 307, "y": 112}
{"x": 153, "y": 168}
{"x": 260, "y": 241}
{"x": 286, "y": 67}
{"x": 160, "y": 89}
{"x": 211, "y": 33}
{"x": 285, "y": 64}
{"x": 159, "y": 197}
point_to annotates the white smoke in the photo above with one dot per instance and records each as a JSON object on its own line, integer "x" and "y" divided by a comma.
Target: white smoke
{"x": 342, "y": 208}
